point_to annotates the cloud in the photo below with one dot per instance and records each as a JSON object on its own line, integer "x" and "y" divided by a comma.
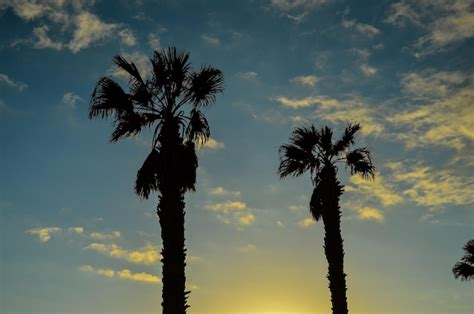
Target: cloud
{"x": 89, "y": 29}
{"x": 154, "y": 41}
{"x": 211, "y": 144}
{"x": 127, "y": 37}
{"x": 368, "y": 213}
{"x": 368, "y": 70}
{"x": 125, "y": 274}
{"x": 400, "y": 13}
{"x": 42, "y": 40}
{"x": 248, "y": 248}
{"x": 220, "y": 191}
{"x": 375, "y": 189}
{"x": 235, "y": 212}
{"x": 70, "y": 99}
{"x": 9, "y": 82}
{"x": 211, "y": 40}
{"x": 306, "y": 223}
{"x": 105, "y": 236}
{"x": 290, "y": 5}
{"x": 141, "y": 61}
{"x": 76, "y": 230}
{"x": 362, "y": 28}
{"x": 309, "y": 80}
{"x": 44, "y": 234}
{"x": 433, "y": 187}
{"x": 248, "y": 75}
{"x": 446, "y": 116}
{"x": 148, "y": 255}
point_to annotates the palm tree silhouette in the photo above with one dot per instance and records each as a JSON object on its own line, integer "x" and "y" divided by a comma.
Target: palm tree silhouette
{"x": 464, "y": 269}
{"x": 159, "y": 103}
{"x": 313, "y": 150}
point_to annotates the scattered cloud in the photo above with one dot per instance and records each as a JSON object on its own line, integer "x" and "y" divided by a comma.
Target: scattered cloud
{"x": 148, "y": 255}
{"x": 433, "y": 187}
{"x": 291, "y": 5}
{"x": 235, "y": 212}
{"x": 89, "y": 29}
{"x": 105, "y": 236}
{"x": 369, "y": 213}
{"x": 76, "y": 230}
{"x": 220, "y": 191}
{"x": 44, "y": 234}
{"x": 362, "y": 28}
{"x": 251, "y": 76}
{"x": 211, "y": 40}
{"x": 154, "y": 41}
{"x": 430, "y": 84}
{"x": 309, "y": 80}
{"x": 211, "y": 144}
{"x": 306, "y": 223}
{"x": 121, "y": 274}
{"x": 42, "y": 39}
{"x": 377, "y": 188}
{"x": 368, "y": 70}
{"x": 70, "y": 99}
{"x": 127, "y": 37}
{"x": 9, "y": 82}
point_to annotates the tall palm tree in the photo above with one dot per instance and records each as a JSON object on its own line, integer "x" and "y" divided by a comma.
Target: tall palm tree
{"x": 464, "y": 269}
{"x": 158, "y": 103}
{"x": 314, "y": 151}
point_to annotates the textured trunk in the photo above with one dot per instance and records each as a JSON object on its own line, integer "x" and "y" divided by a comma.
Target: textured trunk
{"x": 333, "y": 243}
{"x": 171, "y": 214}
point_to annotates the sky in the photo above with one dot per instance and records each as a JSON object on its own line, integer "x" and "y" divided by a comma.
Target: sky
{"x": 75, "y": 238}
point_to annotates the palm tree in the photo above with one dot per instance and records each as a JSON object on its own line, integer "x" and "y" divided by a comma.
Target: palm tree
{"x": 314, "y": 151}
{"x": 464, "y": 269}
{"x": 159, "y": 103}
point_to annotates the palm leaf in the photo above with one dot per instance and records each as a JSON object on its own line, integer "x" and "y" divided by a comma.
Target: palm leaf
{"x": 109, "y": 98}
{"x": 198, "y": 127}
{"x": 360, "y": 162}
{"x": 204, "y": 85}
{"x": 148, "y": 175}
{"x": 347, "y": 138}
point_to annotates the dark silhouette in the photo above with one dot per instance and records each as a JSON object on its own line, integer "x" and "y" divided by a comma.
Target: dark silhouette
{"x": 170, "y": 168}
{"x": 464, "y": 269}
{"x": 313, "y": 150}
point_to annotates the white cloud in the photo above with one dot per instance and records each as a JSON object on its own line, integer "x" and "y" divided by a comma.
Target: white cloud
{"x": 362, "y": 28}
{"x": 44, "y": 234}
{"x": 70, "y": 99}
{"x": 89, "y": 29}
{"x": 368, "y": 70}
{"x": 309, "y": 80}
{"x": 9, "y": 82}
{"x": 127, "y": 37}
{"x": 42, "y": 39}
{"x": 306, "y": 223}
{"x": 212, "y": 40}
{"x": 211, "y": 144}
{"x": 248, "y": 75}
{"x": 377, "y": 188}
{"x": 77, "y": 230}
{"x": 149, "y": 255}
{"x": 105, "y": 236}
{"x": 289, "y": 5}
{"x": 154, "y": 41}
{"x": 220, "y": 191}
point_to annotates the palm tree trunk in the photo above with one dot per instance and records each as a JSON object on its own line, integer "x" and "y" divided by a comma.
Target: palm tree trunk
{"x": 333, "y": 243}
{"x": 171, "y": 216}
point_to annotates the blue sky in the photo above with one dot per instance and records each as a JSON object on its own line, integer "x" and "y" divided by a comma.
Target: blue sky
{"x": 74, "y": 237}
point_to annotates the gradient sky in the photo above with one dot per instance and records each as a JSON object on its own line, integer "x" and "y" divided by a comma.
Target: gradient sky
{"x": 74, "y": 237}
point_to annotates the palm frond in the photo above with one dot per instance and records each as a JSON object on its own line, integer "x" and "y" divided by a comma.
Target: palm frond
{"x": 360, "y": 162}
{"x": 204, "y": 85}
{"x": 464, "y": 269}
{"x": 325, "y": 140}
{"x": 109, "y": 98}
{"x": 148, "y": 175}
{"x": 347, "y": 138}
{"x": 198, "y": 127}
{"x": 130, "y": 124}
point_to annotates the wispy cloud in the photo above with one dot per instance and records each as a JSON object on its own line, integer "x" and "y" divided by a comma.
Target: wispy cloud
{"x": 76, "y": 230}
{"x": 211, "y": 144}
{"x": 101, "y": 236}
{"x": 308, "y": 80}
{"x": 248, "y": 248}
{"x": 364, "y": 29}
{"x": 44, "y": 234}
{"x": 306, "y": 222}
{"x": 377, "y": 188}
{"x": 291, "y": 5}
{"x": 251, "y": 76}
{"x": 9, "y": 82}
{"x": 220, "y": 191}
{"x": 368, "y": 70}
{"x": 211, "y": 40}
{"x": 127, "y": 37}
{"x": 148, "y": 255}
{"x": 70, "y": 100}
{"x": 369, "y": 213}
{"x": 154, "y": 41}
{"x": 125, "y": 274}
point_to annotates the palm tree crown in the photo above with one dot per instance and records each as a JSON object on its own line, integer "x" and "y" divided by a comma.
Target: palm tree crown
{"x": 464, "y": 269}
{"x": 158, "y": 103}
{"x": 312, "y": 150}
